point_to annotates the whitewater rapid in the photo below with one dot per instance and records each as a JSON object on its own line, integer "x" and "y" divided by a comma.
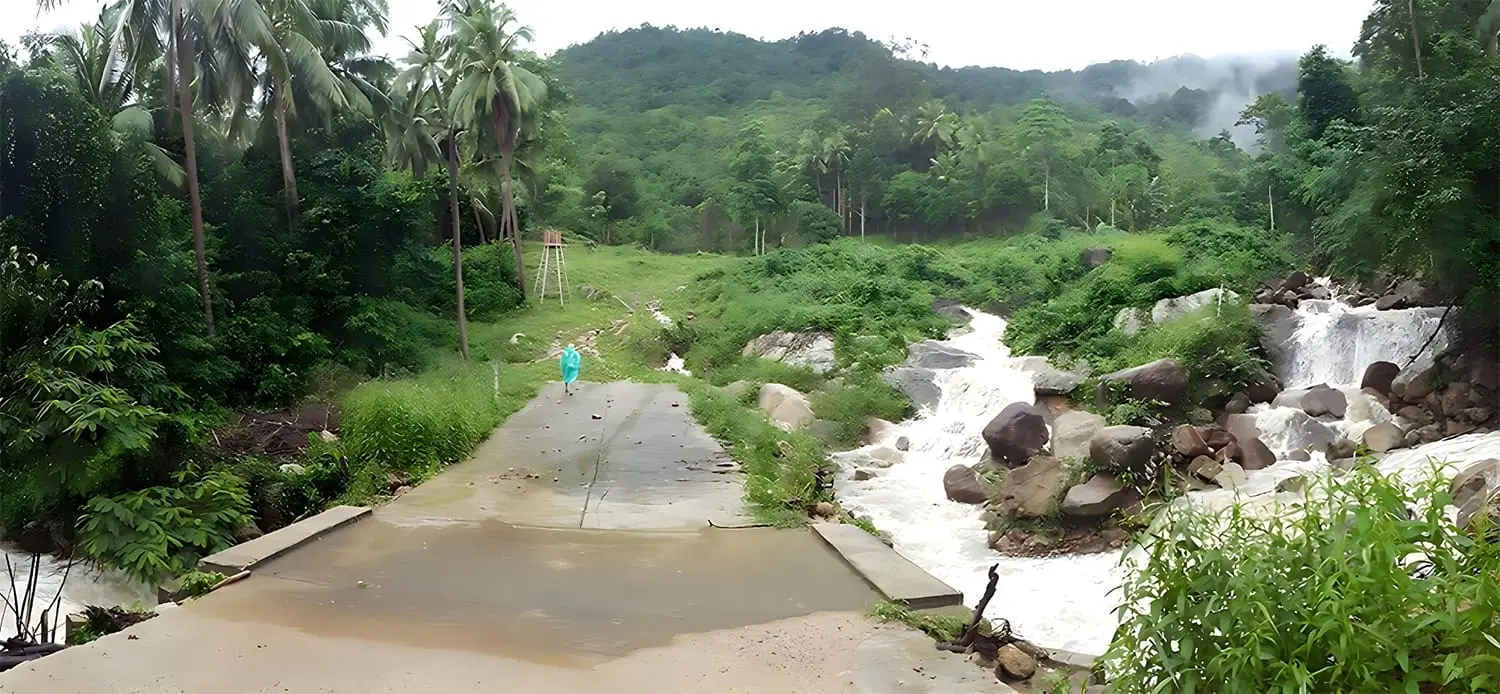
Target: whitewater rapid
{"x": 80, "y": 585}
{"x": 1068, "y": 602}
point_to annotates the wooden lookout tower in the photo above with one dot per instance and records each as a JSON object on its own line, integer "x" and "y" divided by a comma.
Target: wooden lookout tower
{"x": 554, "y": 269}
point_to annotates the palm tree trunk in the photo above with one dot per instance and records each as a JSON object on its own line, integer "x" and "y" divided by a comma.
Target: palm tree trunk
{"x": 288, "y": 175}
{"x": 458, "y": 255}
{"x": 1416, "y": 41}
{"x": 478, "y": 222}
{"x": 509, "y": 203}
{"x": 184, "y": 45}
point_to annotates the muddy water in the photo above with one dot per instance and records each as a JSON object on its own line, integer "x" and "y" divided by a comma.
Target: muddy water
{"x": 556, "y": 597}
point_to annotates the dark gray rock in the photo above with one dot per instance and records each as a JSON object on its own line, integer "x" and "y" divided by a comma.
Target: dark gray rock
{"x": 1096, "y": 257}
{"x": 1384, "y": 437}
{"x": 1100, "y": 496}
{"x": 1189, "y": 441}
{"x": 1325, "y": 401}
{"x": 1163, "y": 381}
{"x": 1295, "y": 281}
{"x": 1047, "y": 379}
{"x": 919, "y": 385}
{"x": 1017, "y": 433}
{"x": 1255, "y": 455}
{"x": 963, "y": 484}
{"x": 931, "y": 354}
{"x": 1380, "y": 376}
{"x": 1239, "y": 403}
{"x": 1122, "y": 449}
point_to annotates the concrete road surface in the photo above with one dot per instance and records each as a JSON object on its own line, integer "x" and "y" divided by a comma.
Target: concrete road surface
{"x": 496, "y": 577}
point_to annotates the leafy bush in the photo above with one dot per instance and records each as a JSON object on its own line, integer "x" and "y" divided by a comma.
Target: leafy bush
{"x": 859, "y": 398}
{"x": 159, "y": 532}
{"x": 387, "y": 336}
{"x": 1218, "y": 345}
{"x": 417, "y": 425}
{"x": 195, "y": 583}
{"x": 1320, "y": 597}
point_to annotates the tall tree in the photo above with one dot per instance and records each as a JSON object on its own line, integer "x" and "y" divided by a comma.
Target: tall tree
{"x": 1044, "y": 127}
{"x": 496, "y": 92}
{"x": 1324, "y": 93}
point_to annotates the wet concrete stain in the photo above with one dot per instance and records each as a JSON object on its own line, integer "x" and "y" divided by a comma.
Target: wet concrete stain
{"x": 569, "y": 598}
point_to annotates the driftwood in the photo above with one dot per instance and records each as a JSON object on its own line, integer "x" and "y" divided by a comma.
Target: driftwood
{"x": 15, "y": 654}
{"x": 973, "y": 640}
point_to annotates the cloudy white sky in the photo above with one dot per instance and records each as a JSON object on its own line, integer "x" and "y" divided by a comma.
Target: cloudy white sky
{"x": 1021, "y": 34}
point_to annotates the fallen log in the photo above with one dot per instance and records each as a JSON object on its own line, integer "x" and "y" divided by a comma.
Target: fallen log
{"x": 973, "y": 640}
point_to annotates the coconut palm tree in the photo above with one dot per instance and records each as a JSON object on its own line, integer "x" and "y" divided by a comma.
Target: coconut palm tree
{"x": 96, "y": 61}
{"x": 424, "y": 91}
{"x": 496, "y": 93}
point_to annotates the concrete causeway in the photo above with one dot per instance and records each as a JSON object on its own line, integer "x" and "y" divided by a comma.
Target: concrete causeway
{"x": 571, "y": 553}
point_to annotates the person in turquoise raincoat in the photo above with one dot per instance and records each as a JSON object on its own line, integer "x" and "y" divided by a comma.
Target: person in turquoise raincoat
{"x": 570, "y": 362}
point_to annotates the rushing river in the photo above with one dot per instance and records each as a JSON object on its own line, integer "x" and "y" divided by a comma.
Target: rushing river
{"x": 1068, "y": 602}
{"x": 80, "y": 585}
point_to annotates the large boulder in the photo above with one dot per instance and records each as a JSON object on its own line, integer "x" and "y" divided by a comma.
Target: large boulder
{"x": 786, "y": 407}
{"x": 1325, "y": 401}
{"x": 1254, "y": 455}
{"x": 1384, "y": 437}
{"x": 931, "y": 354}
{"x": 1163, "y": 381}
{"x": 1380, "y": 375}
{"x": 813, "y": 350}
{"x": 1096, "y": 257}
{"x": 1171, "y": 309}
{"x": 1072, "y": 431}
{"x": 1189, "y": 442}
{"x": 1100, "y": 496}
{"x": 1033, "y": 490}
{"x": 1122, "y": 449}
{"x": 1482, "y": 477}
{"x": 1277, "y": 325}
{"x": 919, "y": 385}
{"x": 1295, "y": 281}
{"x": 877, "y": 430}
{"x": 1405, "y": 294}
{"x": 963, "y": 484}
{"x": 1047, "y": 379}
{"x": 1287, "y": 430}
{"x": 1017, "y": 433}
{"x": 1128, "y": 321}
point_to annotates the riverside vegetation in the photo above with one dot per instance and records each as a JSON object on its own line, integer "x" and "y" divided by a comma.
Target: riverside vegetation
{"x": 282, "y": 223}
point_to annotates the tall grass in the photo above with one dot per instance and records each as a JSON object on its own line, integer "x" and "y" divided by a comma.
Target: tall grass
{"x": 416, "y": 424}
{"x": 1322, "y": 596}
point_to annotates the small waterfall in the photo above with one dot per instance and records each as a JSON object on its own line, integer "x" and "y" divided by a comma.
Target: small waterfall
{"x": 1060, "y": 602}
{"x": 85, "y": 585}
{"x": 1334, "y": 342}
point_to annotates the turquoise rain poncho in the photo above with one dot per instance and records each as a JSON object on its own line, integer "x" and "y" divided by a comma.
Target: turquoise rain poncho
{"x": 570, "y": 362}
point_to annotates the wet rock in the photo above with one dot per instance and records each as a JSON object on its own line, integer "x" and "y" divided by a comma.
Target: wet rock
{"x": 1458, "y": 428}
{"x": 1047, "y": 379}
{"x": 1032, "y": 490}
{"x": 963, "y": 484}
{"x": 1384, "y": 437}
{"x": 1480, "y": 396}
{"x": 1414, "y": 385}
{"x": 931, "y": 354}
{"x": 919, "y": 385}
{"x": 1325, "y": 401}
{"x": 1365, "y": 407}
{"x": 1295, "y": 281}
{"x": 1482, "y": 477}
{"x": 1162, "y": 380}
{"x": 1239, "y": 403}
{"x": 1255, "y": 455}
{"x": 903, "y": 443}
{"x": 1377, "y": 396}
{"x": 952, "y": 309}
{"x": 1482, "y": 371}
{"x": 1096, "y": 257}
{"x": 1414, "y": 415}
{"x": 1014, "y": 663}
{"x": 1483, "y": 505}
{"x": 1122, "y": 449}
{"x": 1455, "y": 399}
{"x": 1204, "y": 468}
{"x": 1188, "y": 442}
{"x": 813, "y": 350}
{"x": 1294, "y": 430}
{"x": 1298, "y": 455}
{"x": 1277, "y": 324}
{"x": 1405, "y": 294}
{"x": 1478, "y": 415}
{"x": 1316, "y": 292}
{"x": 877, "y": 430}
{"x": 1263, "y": 391}
{"x": 787, "y": 408}
{"x": 1231, "y": 453}
{"x": 1017, "y": 433}
{"x": 863, "y": 474}
{"x": 1100, "y": 496}
{"x": 1072, "y": 431}
{"x": 1430, "y": 433}
{"x": 1292, "y": 484}
{"x": 1231, "y": 477}
{"x": 1342, "y": 448}
{"x": 1218, "y": 437}
{"x": 1380, "y": 375}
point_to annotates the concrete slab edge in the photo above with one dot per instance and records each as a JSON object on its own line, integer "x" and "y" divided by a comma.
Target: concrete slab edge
{"x": 948, "y": 597}
{"x": 246, "y": 555}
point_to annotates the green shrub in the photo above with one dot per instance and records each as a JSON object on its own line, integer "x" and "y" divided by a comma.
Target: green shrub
{"x": 195, "y": 583}
{"x": 783, "y": 469}
{"x": 159, "y": 532}
{"x": 418, "y": 425}
{"x": 387, "y": 336}
{"x": 860, "y": 397}
{"x": 1216, "y": 343}
{"x": 1319, "y": 597}
{"x": 939, "y": 626}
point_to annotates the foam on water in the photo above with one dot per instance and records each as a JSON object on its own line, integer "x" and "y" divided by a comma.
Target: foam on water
{"x": 81, "y": 585}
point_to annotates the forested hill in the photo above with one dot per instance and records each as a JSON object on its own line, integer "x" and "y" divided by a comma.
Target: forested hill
{"x": 707, "y": 71}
